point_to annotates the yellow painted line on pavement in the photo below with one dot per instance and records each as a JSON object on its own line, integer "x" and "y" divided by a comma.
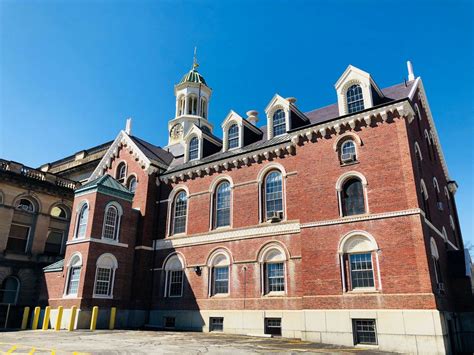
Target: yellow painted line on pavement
{"x": 32, "y": 351}
{"x": 12, "y": 349}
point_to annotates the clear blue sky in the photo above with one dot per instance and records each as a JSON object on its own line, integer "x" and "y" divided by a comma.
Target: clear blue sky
{"x": 72, "y": 71}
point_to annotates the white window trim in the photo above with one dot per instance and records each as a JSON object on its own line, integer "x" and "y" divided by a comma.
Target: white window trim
{"x": 211, "y": 265}
{"x": 339, "y": 185}
{"x": 167, "y": 278}
{"x": 28, "y": 236}
{"x": 76, "y": 224}
{"x": 372, "y": 249}
{"x": 117, "y": 224}
{"x": 117, "y": 171}
{"x": 270, "y": 114}
{"x": 261, "y": 195}
{"x": 262, "y": 260}
{"x": 68, "y": 275}
{"x": 170, "y": 217}
{"x": 129, "y": 177}
{"x": 212, "y": 192}
{"x": 112, "y": 276}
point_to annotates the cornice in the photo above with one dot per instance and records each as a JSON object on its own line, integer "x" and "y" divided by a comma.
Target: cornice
{"x": 304, "y": 135}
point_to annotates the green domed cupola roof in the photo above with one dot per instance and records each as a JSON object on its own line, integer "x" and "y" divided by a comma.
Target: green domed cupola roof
{"x": 193, "y": 77}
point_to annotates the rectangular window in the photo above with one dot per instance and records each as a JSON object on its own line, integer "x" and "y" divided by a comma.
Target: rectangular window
{"x": 221, "y": 280}
{"x": 74, "y": 275}
{"x": 103, "y": 282}
{"x": 54, "y": 243}
{"x": 175, "y": 283}
{"x": 275, "y": 277}
{"x": 273, "y": 326}
{"x": 364, "y": 331}
{"x": 362, "y": 274}
{"x": 18, "y": 238}
{"x": 216, "y": 324}
{"x": 169, "y": 322}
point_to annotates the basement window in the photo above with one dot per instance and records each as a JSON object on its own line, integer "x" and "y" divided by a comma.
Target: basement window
{"x": 216, "y": 324}
{"x": 169, "y": 322}
{"x": 364, "y": 331}
{"x": 273, "y": 326}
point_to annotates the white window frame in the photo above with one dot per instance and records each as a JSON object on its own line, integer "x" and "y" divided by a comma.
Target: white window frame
{"x": 106, "y": 261}
{"x": 81, "y": 205}
{"x": 118, "y": 172}
{"x": 27, "y": 238}
{"x": 213, "y": 201}
{"x": 359, "y": 242}
{"x": 118, "y": 207}
{"x": 174, "y": 262}
{"x": 73, "y": 264}
{"x": 218, "y": 258}
{"x": 340, "y": 184}
{"x": 261, "y": 178}
{"x": 272, "y": 253}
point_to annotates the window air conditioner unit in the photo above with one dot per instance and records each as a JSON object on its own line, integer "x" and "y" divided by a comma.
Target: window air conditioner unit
{"x": 275, "y": 216}
{"x": 440, "y": 206}
{"x": 440, "y": 287}
{"x": 348, "y": 157}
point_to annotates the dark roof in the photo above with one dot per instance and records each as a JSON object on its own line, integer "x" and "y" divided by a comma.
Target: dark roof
{"x": 327, "y": 113}
{"x": 98, "y": 148}
{"x": 153, "y": 152}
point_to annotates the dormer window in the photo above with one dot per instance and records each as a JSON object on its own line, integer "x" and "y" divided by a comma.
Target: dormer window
{"x": 279, "y": 124}
{"x": 193, "y": 148}
{"x": 233, "y": 137}
{"x": 355, "y": 99}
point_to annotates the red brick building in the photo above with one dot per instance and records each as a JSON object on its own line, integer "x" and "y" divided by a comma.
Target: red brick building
{"x": 337, "y": 225}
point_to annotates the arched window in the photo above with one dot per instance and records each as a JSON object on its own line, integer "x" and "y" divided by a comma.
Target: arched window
{"x": 82, "y": 218}
{"x": 121, "y": 172}
{"x": 355, "y": 99}
{"x": 9, "y": 290}
{"x": 436, "y": 266}
{"x": 111, "y": 223}
{"x": 233, "y": 137}
{"x": 74, "y": 275}
{"x": 273, "y": 271}
{"x": 181, "y": 105}
{"x": 424, "y": 200}
{"x": 348, "y": 151}
{"x": 358, "y": 255}
{"x": 179, "y": 213}
{"x": 193, "y": 148}
{"x": 222, "y": 205}
{"x": 439, "y": 204}
{"x": 174, "y": 277}
{"x": 273, "y": 196}
{"x": 26, "y": 205}
{"x": 59, "y": 212}
{"x": 203, "y": 107}
{"x": 105, "y": 276}
{"x": 428, "y": 144}
{"x": 54, "y": 243}
{"x": 278, "y": 123}
{"x": 132, "y": 184}
{"x": 219, "y": 274}
{"x": 419, "y": 158}
{"x": 352, "y": 197}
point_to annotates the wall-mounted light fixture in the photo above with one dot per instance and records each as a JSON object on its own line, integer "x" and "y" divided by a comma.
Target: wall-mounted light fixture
{"x": 197, "y": 270}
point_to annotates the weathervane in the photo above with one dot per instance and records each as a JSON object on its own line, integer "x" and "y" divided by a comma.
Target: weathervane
{"x": 195, "y": 63}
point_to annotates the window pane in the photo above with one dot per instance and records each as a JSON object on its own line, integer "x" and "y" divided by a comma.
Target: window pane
{"x": 132, "y": 184}
{"x": 275, "y": 277}
{"x": 110, "y": 222}
{"x": 221, "y": 279}
{"x": 273, "y": 193}
{"x": 223, "y": 205}
{"x": 355, "y": 100}
{"x": 193, "y": 148}
{"x": 175, "y": 283}
{"x": 348, "y": 147}
{"x": 362, "y": 274}
{"x": 9, "y": 291}
{"x": 279, "y": 124}
{"x": 54, "y": 243}
{"x": 233, "y": 136}
{"x": 18, "y": 238}
{"x": 180, "y": 210}
{"x": 353, "y": 198}
{"x": 103, "y": 282}
{"x": 58, "y": 212}
{"x": 74, "y": 275}
{"x": 216, "y": 324}
{"x": 365, "y": 331}
{"x": 82, "y": 223}
{"x": 26, "y": 205}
